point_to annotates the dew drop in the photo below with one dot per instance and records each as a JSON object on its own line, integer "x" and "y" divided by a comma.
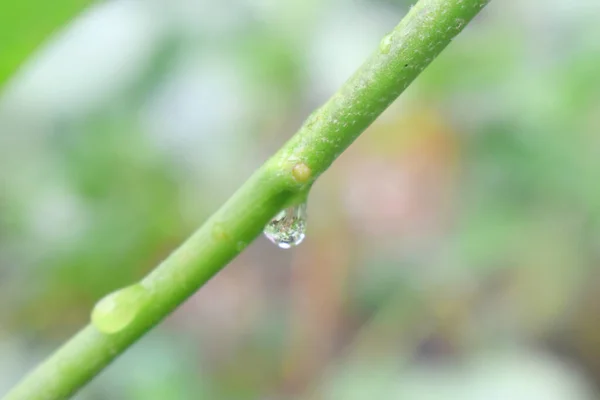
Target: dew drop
{"x": 288, "y": 228}
{"x": 117, "y": 310}
{"x": 385, "y": 44}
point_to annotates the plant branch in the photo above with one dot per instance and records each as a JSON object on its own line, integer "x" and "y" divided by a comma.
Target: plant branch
{"x": 402, "y": 55}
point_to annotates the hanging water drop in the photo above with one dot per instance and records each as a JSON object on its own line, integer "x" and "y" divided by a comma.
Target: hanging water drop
{"x": 288, "y": 228}
{"x": 117, "y": 310}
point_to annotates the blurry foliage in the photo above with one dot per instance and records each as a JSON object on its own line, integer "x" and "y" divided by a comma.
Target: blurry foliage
{"x": 25, "y": 24}
{"x": 482, "y": 182}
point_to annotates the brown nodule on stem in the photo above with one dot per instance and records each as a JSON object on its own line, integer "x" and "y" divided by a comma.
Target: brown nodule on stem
{"x": 301, "y": 172}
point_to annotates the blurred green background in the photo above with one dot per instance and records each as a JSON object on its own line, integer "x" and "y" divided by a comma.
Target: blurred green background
{"x": 451, "y": 253}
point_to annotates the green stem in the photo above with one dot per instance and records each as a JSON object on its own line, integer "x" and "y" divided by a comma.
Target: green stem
{"x": 415, "y": 42}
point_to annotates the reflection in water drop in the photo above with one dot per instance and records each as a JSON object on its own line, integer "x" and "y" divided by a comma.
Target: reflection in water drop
{"x": 117, "y": 310}
{"x": 287, "y": 229}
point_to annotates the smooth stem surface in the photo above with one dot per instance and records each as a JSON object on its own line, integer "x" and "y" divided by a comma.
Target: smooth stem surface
{"x": 415, "y": 42}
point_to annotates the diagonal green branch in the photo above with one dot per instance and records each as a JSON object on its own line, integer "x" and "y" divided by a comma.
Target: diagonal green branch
{"x": 415, "y": 42}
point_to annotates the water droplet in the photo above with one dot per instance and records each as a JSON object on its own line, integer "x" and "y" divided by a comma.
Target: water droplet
{"x": 287, "y": 229}
{"x": 116, "y": 311}
{"x": 386, "y": 44}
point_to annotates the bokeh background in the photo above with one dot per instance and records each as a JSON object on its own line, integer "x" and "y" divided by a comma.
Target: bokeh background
{"x": 451, "y": 252}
